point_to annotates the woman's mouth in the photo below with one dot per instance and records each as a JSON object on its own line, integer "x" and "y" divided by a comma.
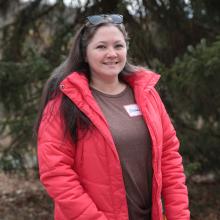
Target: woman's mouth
{"x": 111, "y": 63}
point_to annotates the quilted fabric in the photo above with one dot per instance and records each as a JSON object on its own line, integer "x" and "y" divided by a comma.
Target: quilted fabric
{"x": 85, "y": 179}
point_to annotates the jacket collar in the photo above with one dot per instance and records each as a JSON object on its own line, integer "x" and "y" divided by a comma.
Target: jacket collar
{"x": 141, "y": 78}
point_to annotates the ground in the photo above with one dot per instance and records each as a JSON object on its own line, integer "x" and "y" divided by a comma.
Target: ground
{"x": 22, "y": 199}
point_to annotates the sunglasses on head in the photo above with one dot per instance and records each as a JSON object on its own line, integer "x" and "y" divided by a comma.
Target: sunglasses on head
{"x": 112, "y": 18}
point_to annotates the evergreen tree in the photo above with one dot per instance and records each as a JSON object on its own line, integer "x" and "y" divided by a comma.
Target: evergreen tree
{"x": 35, "y": 37}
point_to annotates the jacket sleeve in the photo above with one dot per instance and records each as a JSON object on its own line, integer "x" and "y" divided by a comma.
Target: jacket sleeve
{"x": 56, "y": 166}
{"x": 174, "y": 190}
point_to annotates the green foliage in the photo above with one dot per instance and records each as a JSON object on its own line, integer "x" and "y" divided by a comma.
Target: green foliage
{"x": 192, "y": 168}
{"x": 193, "y": 98}
{"x": 196, "y": 76}
{"x": 36, "y": 37}
{"x": 21, "y": 86}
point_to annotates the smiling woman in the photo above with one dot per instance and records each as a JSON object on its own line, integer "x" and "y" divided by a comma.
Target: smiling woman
{"x": 106, "y": 55}
{"x": 106, "y": 147}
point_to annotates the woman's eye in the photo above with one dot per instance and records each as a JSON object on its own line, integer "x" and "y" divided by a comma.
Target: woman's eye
{"x": 119, "y": 45}
{"x": 100, "y": 46}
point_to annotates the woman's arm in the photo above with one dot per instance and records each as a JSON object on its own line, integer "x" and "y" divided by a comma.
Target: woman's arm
{"x": 56, "y": 161}
{"x": 174, "y": 190}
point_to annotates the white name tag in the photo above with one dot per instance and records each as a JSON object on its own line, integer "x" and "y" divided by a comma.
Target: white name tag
{"x": 132, "y": 110}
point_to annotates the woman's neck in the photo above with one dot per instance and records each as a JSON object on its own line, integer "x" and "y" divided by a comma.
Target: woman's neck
{"x": 113, "y": 87}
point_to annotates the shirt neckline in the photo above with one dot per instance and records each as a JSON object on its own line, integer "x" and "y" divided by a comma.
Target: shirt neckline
{"x": 110, "y": 95}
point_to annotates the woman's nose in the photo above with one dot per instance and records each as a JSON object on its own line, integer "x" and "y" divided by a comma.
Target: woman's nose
{"x": 111, "y": 52}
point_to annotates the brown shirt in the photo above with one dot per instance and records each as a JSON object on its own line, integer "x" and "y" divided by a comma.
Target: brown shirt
{"x": 133, "y": 144}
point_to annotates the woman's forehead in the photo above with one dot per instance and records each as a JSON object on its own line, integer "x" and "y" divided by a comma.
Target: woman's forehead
{"x": 108, "y": 32}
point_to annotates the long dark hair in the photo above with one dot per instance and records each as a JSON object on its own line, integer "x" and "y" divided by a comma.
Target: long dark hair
{"x": 72, "y": 116}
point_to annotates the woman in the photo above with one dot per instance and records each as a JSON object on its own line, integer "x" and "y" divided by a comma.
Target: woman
{"x": 106, "y": 146}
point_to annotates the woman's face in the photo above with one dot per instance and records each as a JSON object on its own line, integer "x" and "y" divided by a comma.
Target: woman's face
{"x": 106, "y": 53}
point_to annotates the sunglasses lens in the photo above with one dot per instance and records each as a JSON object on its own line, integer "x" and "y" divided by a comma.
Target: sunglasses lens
{"x": 97, "y": 19}
{"x": 117, "y": 19}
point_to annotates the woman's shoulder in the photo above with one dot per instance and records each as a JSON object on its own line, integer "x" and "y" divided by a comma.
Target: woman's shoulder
{"x": 143, "y": 76}
{"x": 53, "y": 106}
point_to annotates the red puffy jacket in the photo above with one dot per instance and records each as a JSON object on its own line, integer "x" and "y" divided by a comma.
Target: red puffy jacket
{"x": 85, "y": 179}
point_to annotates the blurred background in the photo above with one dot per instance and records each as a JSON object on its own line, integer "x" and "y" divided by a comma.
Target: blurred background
{"x": 179, "y": 39}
